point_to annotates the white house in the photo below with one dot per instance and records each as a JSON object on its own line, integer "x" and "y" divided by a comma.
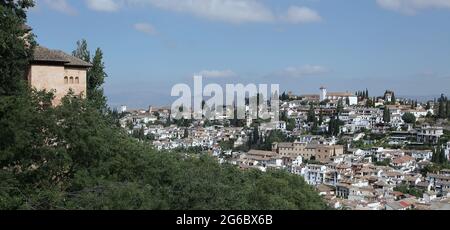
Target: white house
{"x": 314, "y": 174}
{"x": 447, "y": 150}
{"x": 333, "y": 96}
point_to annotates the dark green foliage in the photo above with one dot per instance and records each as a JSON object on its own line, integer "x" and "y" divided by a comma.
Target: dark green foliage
{"x": 139, "y": 133}
{"x": 320, "y": 122}
{"x": 386, "y": 115}
{"x": 340, "y": 106}
{"x": 443, "y": 110}
{"x": 291, "y": 124}
{"x": 14, "y": 54}
{"x": 227, "y": 145}
{"x": 71, "y": 157}
{"x": 274, "y": 136}
{"x": 255, "y": 136}
{"x": 334, "y": 126}
{"x": 82, "y": 52}
{"x": 385, "y": 162}
{"x": 311, "y": 117}
{"x": 284, "y": 97}
{"x": 405, "y": 189}
{"x": 95, "y": 76}
{"x": 409, "y": 118}
{"x": 439, "y": 156}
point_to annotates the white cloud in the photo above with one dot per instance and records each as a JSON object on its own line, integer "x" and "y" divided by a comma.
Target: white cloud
{"x": 230, "y": 11}
{"x": 234, "y": 11}
{"x": 146, "y": 28}
{"x": 300, "y": 15}
{"x": 217, "y": 73}
{"x": 412, "y": 6}
{"x": 61, "y": 6}
{"x": 303, "y": 71}
{"x": 103, "y": 5}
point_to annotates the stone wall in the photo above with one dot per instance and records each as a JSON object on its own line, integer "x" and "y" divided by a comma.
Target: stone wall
{"x": 59, "y": 79}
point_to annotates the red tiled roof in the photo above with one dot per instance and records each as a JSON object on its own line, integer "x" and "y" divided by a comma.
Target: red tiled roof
{"x": 404, "y": 204}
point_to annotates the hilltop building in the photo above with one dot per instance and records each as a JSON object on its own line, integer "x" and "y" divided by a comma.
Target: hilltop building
{"x": 56, "y": 71}
{"x": 346, "y": 97}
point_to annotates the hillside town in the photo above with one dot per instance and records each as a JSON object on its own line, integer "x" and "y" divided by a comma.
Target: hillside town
{"x": 359, "y": 152}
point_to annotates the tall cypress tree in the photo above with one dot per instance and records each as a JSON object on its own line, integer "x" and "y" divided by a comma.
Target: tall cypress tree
{"x": 448, "y": 109}
{"x": 442, "y": 105}
{"x": 311, "y": 113}
{"x": 340, "y": 106}
{"x": 320, "y": 118}
{"x": 96, "y": 74}
{"x": 82, "y": 52}
{"x": 387, "y": 115}
{"x": 96, "y": 79}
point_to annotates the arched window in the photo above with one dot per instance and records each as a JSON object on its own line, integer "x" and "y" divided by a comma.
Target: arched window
{"x": 66, "y": 80}
{"x": 77, "y": 80}
{"x": 71, "y": 80}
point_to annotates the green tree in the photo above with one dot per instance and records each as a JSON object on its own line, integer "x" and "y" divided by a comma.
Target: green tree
{"x": 442, "y": 110}
{"x": 311, "y": 117}
{"x": 448, "y": 109}
{"x": 82, "y": 52}
{"x": 15, "y": 54}
{"x": 290, "y": 125}
{"x": 386, "y": 115}
{"x": 284, "y": 116}
{"x": 320, "y": 122}
{"x": 438, "y": 156}
{"x": 255, "y": 136}
{"x": 334, "y": 126}
{"x": 186, "y": 133}
{"x": 340, "y": 106}
{"x": 96, "y": 74}
{"x": 409, "y": 118}
{"x": 96, "y": 78}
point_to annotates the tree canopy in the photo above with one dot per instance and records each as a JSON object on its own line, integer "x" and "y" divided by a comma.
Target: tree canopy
{"x": 409, "y": 118}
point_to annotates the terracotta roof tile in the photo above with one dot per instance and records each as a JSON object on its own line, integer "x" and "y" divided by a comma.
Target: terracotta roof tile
{"x": 43, "y": 54}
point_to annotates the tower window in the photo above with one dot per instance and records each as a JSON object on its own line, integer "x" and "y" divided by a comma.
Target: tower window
{"x": 71, "y": 80}
{"x": 77, "y": 80}
{"x": 66, "y": 80}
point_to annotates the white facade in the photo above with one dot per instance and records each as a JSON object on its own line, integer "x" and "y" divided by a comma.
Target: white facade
{"x": 353, "y": 100}
{"x": 314, "y": 174}
{"x": 123, "y": 108}
{"x": 447, "y": 150}
{"x": 323, "y": 93}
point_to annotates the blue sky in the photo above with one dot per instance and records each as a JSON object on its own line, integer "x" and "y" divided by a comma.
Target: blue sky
{"x": 346, "y": 45}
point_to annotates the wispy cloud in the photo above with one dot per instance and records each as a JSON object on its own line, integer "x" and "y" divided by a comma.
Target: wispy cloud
{"x": 303, "y": 71}
{"x": 229, "y": 11}
{"x": 412, "y": 6}
{"x": 103, "y": 5}
{"x": 217, "y": 73}
{"x": 300, "y": 15}
{"x": 234, "y": 11}
{"x": 145, "y": 28}
{"x": 61, "y": 6}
